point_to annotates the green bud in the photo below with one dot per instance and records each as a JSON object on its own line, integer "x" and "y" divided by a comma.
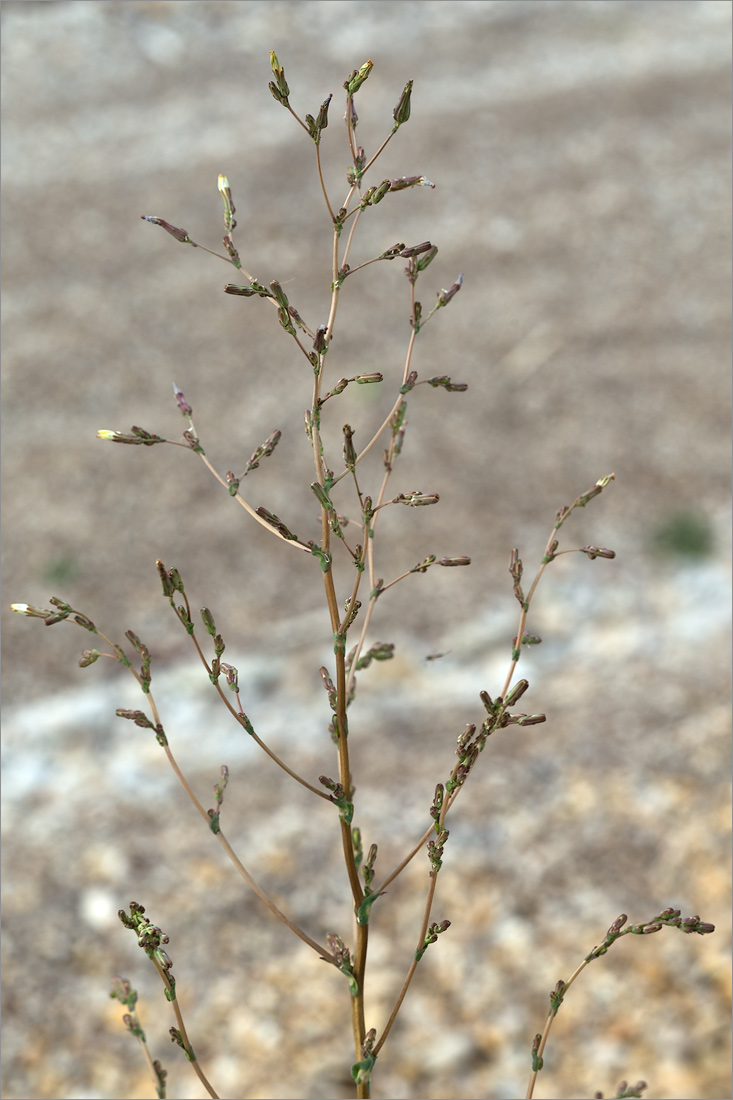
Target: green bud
{"x": 323, "y": 498}
{"x": 279, "y": 87}
{"x": 357, "y": 78}
{"x": 279, "y": 294}
{"x": 229, "y": 208}
{"x": 208, "y": 620}
{"x": 401, "y": 112}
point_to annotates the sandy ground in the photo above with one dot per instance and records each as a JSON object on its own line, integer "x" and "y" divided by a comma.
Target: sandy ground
{"x": 581, "y": 155}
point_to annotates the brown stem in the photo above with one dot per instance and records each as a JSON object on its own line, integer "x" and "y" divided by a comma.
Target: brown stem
{"x": 413, "y": 965}
{"x": 546, "y": 1030}
{"x": 184, "y": 1035}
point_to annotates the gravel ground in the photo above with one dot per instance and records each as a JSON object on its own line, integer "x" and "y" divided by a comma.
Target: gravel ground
{"x": 581, "y": 155}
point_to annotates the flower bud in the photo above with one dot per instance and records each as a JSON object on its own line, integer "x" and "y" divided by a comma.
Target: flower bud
{"x": 180, "y": 234}
{"x": 279, "y": 87}
{"x": 183, "y": 404}
{"x": 208, "y": 621}
{"x": 279, "y": 294}
{"x": 355, "y": 80}
{"x": 401, "y": 112}
{"x": 229, "y": 208}
{"x": 517, "y": 692}
{"x": 445, "y": 296}
{"x": 594, "y": 552}
{"x": 349, "y": 450}
{"x": 415, "y": 249}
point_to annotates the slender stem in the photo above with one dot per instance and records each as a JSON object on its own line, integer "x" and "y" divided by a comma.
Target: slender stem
{"x": 248, "y": 508}
{"x": 239, "y": 714}
{"x": 320, "y": 177}
{"x": 379, "y": 150}
{"x": 413, "y": 965}
{"x": 548, "y": 1025}
{"x": 184, "y": 1035}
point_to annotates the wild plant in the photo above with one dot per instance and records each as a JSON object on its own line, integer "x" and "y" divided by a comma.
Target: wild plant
{"x": 342, "y": 556}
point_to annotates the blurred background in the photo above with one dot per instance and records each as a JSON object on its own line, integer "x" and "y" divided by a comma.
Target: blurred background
{"x": 581, "y": 156}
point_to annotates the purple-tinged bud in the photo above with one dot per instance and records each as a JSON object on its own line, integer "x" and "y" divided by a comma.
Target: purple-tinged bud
{"x": 531, "y": 719}
{"x": 444, "y": 381}
{"x": 393, "y": 252}
{"x": 193, "y": 442}
{"x": 416, "y": 499}
{"x": 137, "y": 437}
{"x": 315, "y": 126}
{"x": 349, "y": 450}
{"x": 183, "y": 404}
{"x": 283, "y": 316}
{"x": 320, "y": 344}
{"x": 233, "y": 254}
{"x": 455, "y": 561}
{"x": 401, "y": 112}
{"x": 180, "y": 234}
{"x": 88, "y": 657}
{"x": 355, "y": 80}
{"x": 137, "y": 716}
{"x": 352, "y": 611}
{"x": 410, "y": 383}
{"x": 423, "y": 566}
{"x": 464, "y": 739}
{"x": 322, "y": 120}
{"x": 242, "y": 291}
{"x": 229, "y": 208}
{"x": 337, "y": 389}
{"x": 276, "y": 522}
{"x": 233, "y": 483}
{"x": 445, "y": 296}
{"x": 550, "y": 555}
{"x": 410, "y": 181}
{"x": 367, "y": 379}
{"x": 487, "y": 701}
{"x": 381, "y": 191}
{"x": 415, "y": 249}
{"x": 141, "y": 649}
{"x": 517, "y": 692}
{"x": 597, "y": 552}
{"x": 231, "y": 675}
